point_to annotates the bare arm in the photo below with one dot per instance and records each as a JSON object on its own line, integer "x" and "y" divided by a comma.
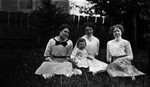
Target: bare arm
{"x": 48, "y": 50}
{"x": 69, "y": 49}
{"x": 98, "y": 45}
{"x": 128, "y": 50}
{"x": 108, "y": 56}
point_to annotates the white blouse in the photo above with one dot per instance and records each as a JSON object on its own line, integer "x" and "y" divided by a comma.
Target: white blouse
{"x": 80, "y": 54}
{"x": 118, "y": 48}
{"x": 92, "y": 45}
{"x": 58, "y": 50}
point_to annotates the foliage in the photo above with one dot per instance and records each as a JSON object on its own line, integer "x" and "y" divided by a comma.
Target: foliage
{"x": 48, "y": 14}
{"x": 121, "y": 8}
{"x": 46, "y": 19}
{"x": 84, "y": 7}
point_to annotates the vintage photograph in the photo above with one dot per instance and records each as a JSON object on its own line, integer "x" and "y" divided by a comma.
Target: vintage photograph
{"x": 75, "y": 43}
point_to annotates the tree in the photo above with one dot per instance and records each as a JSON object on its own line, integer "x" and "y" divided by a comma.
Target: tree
{"x": 47, "y": 14}
{"x": 118, "y": 9}
{"x": 45, "y": 19}
{"x": 123, "y": 11}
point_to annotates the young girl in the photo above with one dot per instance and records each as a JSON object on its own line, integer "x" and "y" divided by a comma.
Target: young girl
{"x": 84, "y": 60}
{"x": 80, "y": 55}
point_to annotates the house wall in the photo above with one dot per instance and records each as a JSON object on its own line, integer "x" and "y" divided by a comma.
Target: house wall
{"x": 28, "y": 5}
{"x": 8, "y": 5}
{"x": 19, "y": 5}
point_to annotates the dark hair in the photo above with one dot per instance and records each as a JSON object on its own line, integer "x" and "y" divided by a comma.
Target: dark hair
{"x": 63, "y": 26}
{"x": 88, "y": 24}
{"x": 117, "y": 25}
{"x": 80, "y": 40}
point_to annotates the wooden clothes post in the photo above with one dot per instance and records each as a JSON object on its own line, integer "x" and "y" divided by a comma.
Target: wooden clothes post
{"x": 85, "y": 75}
{"x": 134, "y": 31}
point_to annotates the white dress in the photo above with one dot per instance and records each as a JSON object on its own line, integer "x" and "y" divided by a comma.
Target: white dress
{"x": 59, "y": 65}
{"x": 92, "y": 49}
{"x": 80, "y": 57}
{"x": 120, "y": 52}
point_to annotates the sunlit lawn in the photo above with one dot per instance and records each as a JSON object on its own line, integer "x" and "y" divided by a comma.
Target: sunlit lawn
{"x": 18, "y": 67}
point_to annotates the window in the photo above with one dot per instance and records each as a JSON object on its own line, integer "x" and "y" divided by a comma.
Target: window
{"x": 25, "y": 5}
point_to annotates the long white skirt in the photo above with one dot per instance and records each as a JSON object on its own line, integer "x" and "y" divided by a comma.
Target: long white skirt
{"x": 51, "y": 68}
{"x": 82, "y": 63}
{"x": 119, "y": 68}
{"x": 96, "y": 65}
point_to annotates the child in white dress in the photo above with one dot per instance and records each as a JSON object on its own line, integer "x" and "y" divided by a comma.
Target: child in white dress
{"x": 80, "y": 55}
{"x": 84, "y": 59}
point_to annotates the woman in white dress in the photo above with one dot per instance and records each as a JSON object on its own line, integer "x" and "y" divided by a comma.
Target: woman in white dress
{"x": 92, "y": 48}
{"x": 57, "y": 54}
{"x": 119, "y": 55}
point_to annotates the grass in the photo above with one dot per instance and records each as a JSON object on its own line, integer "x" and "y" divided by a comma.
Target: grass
{"x": 18, "y": 67}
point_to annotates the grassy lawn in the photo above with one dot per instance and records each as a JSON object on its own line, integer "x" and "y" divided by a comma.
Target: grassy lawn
{"x": 18, "y": 67}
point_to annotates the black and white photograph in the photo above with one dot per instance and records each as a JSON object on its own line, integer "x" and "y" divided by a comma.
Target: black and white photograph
{"x": 75, "y": 43}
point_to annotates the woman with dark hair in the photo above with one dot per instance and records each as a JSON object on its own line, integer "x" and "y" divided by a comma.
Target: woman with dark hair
{"x": 119, "y": 55}
{"x": 92, "y": 41}
{"x": 57, "y": 54}
{"x": 92, "y": 48}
